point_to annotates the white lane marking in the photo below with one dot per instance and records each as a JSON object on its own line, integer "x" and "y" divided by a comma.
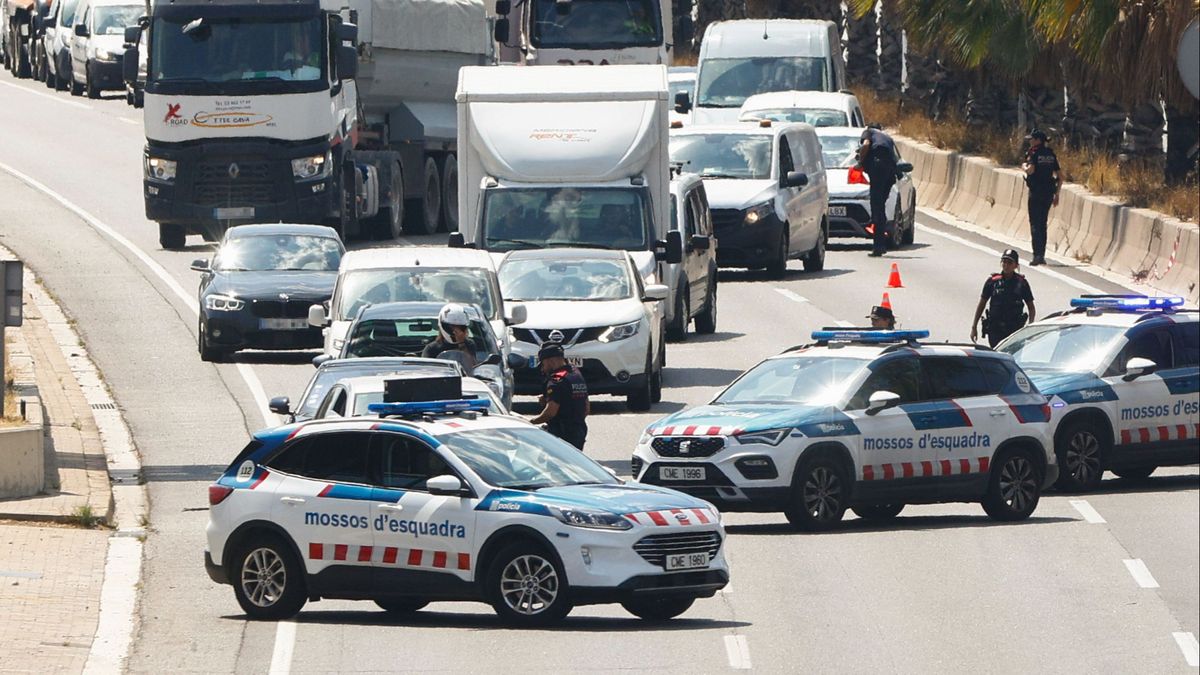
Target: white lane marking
{"x": 118, "y": 604}
{"x": 790, "y": 295}
{"x": 1189, "y": 647}
{"x": 738, "y": 651}
{"x": 1043, "y": 269}
{"x": 56, "y": 99}
{"x": 129, "y": 121}
{"x": 285, "y": 643}
{"x": 1141, "y": 573}
{"x": 247, "y": 373}
{"x": 1086, "y": 510}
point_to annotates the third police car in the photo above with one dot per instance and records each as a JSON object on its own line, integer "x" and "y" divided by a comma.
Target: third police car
{"x": 871, "y": 420}
{"x": 1123, "y": 376}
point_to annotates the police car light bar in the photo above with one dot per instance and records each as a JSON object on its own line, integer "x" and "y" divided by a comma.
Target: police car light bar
{"x": 1126, "y": 302}
{"x": 869, "y": 336}
{"x": 428, "y": 407}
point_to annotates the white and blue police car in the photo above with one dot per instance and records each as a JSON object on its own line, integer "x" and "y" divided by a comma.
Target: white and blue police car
{"x": 437, "y": 500}
{"x": 866, "y": 419}
{"x": 1123, "y": 376}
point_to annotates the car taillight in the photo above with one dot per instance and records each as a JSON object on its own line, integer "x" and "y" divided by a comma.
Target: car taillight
{"x": 857, "y": 175}
{"x": 1046, "y": 411}
{"x": 218, "y": 493}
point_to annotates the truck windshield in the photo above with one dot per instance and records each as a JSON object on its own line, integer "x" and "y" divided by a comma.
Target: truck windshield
{"x": 519, "y": 218}
{"x": 719, "y": 155}
{"x": 727, "y": 83}
{"x": 597, "y": 24}
{"x": 190, "y": 50}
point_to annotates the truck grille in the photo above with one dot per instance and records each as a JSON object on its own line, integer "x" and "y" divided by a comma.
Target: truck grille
{"x": 703, "y": 446}
{"x": 656, "y": 547}
{"x": 724, "y": 219}
{"x": 295, "y": 308}
{"x": 215, "y": 187}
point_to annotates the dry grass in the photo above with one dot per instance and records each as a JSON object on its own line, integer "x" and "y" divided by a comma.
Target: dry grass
{"x": 1136, "y": 183}
{"x": 683, "y": 57}
{"x": 12, "y": 405}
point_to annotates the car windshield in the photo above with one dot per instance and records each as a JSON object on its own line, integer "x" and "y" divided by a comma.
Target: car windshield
{"x": 814, "y": 380}
{"x": 279, "y": 253}
{"x": 839, "y": 152}
{"x": 67, "y": 13}
{"x": 614, "y": 218}
{"x": 596, "y": 24}
{"x": 113, "y": 19}
{"x": 189, "y": 48}
{"x": 361, "y": 401}
{"x": 727, "y": 83}
{"x": 719, "y": 155}
{"x": 538, "y": 279}
{"x": 524, "y": 458}
{"x": 327, "y": 377}
{"x": 408, "y": 337}
{"x": 1071, "y": 348}
{"x": 425, "y": 284}
{"x": 813, "y": 116}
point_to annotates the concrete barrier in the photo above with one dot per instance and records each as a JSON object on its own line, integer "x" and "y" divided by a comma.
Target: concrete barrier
{"x": 22, "y": 459}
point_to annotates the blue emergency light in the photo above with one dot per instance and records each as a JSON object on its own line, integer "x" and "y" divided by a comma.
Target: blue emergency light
{"x": 869, "y": 336}
{"x": 428, "y": 407}
{"x": 1129, "y": 303}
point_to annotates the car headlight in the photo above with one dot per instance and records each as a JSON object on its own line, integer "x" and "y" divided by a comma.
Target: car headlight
{"x": 620, "y": 332}
{"x": 645, "y": 439}
{"x": 757, "y": 213}
{"x": 769, "y": 437}
{"x": 223, "y": 303}
{"x": 309, "y": 168}
{"x": 160, "y": 169}
{"x": 596, "y": 520}
{"x": 105, "y": 55}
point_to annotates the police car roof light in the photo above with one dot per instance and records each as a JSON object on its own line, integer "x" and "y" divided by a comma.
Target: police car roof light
{"x": 1131, "y": 303}
{"x": 869, "y": 336}
{"x": 428, "y": 407}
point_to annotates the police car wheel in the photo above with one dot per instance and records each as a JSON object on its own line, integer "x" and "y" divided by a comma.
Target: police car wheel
{"x": 1081, "y": 457}
{"x": 877, "y": 511}
{"x": 268, "y": 580}
{"x": 401, "y": 605}
{"x": 819, "y": 495}
{"x": 1014, "y": 487}
{"x": 658, "y": 609}
{"x": 527, "y": 587}
{"x": 1135, "y": 472}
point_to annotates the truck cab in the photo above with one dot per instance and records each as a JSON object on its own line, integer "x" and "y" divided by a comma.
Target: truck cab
{"x": 583, "y": 32}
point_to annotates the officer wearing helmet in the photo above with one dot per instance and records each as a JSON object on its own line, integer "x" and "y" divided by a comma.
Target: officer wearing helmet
{"x": 566, "y": 398}
{"x": 453, "y": 336}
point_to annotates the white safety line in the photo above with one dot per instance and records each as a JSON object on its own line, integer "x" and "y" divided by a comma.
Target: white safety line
{"x": 56, "y": 99}
{"x": 285, "y": 644}
{"x": 1042, "y": 269}
{"x": 790, "y": 295}
{"x": 738, "y": 651}
{"x": 1187, "y": 645}
{"x": 1141, "y": 573}
{"x": 1086, "y": 510}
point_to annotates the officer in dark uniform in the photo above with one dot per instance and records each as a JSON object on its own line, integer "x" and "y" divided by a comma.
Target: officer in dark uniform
{"x": 882, "y": 318}
{"x": 877, "y": 157}
{"x": 1004, "y": 294}
{"x": 566, "y": 397}
{"x": 1044, "y": 178}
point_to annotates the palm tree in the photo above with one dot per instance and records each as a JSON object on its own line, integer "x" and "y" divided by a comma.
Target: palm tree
{"x": 862, "y": 65}
{"x": 891, "y": 48}
{"x": 708, "y": 11}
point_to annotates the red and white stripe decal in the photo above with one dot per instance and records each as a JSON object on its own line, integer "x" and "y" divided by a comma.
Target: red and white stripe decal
{"x": 1160, "y": 434}
{"x": 684, "y": 517}
{"x": 694, "y": 430}
{"x": 389, "y": 555}
{"x": 945, "y": 467}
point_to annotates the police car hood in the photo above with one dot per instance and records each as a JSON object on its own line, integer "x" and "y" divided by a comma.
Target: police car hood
{"x": 1050, "y": 381}
{"x": 713, "y": 420}
{"x": 738, "y": 193}
{"x": 580, "y": 313}
{"x": 614, "y": 498}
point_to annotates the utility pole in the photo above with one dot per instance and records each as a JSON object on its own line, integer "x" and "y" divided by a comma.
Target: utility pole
{"x": 11, "y": 279}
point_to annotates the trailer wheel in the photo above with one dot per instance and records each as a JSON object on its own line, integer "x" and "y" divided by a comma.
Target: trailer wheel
{"x": 389, "y": 224}
{"x": 426, "y": 220}
{"x": 450, "y": 194}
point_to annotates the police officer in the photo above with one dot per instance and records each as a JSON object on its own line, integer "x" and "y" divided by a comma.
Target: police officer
{"x": 566, "y": 397}
{"x": 1044, "y": 178}
{"x": 877, "y": 157}
{"x": 882, "y": 318}
{"x": 1003, "y": 294}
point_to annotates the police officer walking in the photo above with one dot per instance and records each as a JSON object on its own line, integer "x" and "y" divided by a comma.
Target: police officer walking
{"x": 1044, "y": 179}
{"x": 877, "y": 157}
{"x": 1003, "y": 294}
{"x": 566, "y": 398}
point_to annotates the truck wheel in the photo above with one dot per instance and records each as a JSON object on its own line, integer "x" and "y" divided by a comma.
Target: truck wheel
{"x": 450, "y": 194}
{"x": 678, "y": 328}
{"x": 706, "y": 320}
{"x": 89, "y": 85}
{"x": 426, "y": 221}
{"x": 777, "y": 268}
{"x": 171, "y": 237}
{"x": 658, "y": 609}
{"x": 814, "y": 260}
{"x": 389, "y": 224}
{"x": 527, "y": 586}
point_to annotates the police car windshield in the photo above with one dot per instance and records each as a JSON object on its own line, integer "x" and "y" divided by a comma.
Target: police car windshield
{"x": 524, "y": 458}
{"x": 815, "y": 380}
{"x": 428, "y": 284}
{"x": 719, "y": 155}
{"x": 537, "y": 279}
{"x": 1069, "y": 348}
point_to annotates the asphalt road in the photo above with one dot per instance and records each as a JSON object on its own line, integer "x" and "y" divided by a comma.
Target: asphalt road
{"x": 941, "y": 589}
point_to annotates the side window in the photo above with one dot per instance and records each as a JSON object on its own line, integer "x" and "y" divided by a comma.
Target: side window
{"x": 785, "y": 157}
{"x": 1153, "y": 344}
{"x": 705, "y": 213}
{"x": 406, "y": 463}
{"x": 998, "y": 375}
{"x": 690, "y": 217}
{"x": 339, "y": 457}
{"x": 900, "y": 376}
{"x": 334, "y": 403}
{"x": 949, "y": 377}
{"x": 1187, "y": 343}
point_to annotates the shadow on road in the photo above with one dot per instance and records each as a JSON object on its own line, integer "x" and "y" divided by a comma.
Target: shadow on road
{"x": 181, "y": 473}
{"x": 1115, "y": 486}
{"x": 431, "y": 619}
{"x": 719, "y": 336}
{"x": 263, "y": 358}
{"x": 899, "y": 524}
{"x": 761, "y": 276}
{"x": 700, "y": 377}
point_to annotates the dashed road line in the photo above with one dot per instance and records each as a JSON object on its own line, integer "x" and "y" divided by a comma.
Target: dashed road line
{"x": 1187, "y": 645}
{"x": 791, "y": 295}
{"x": 1141, "y": 573}
{"x": 285, "y": 643}
{"x": 1086, "y": 510}
{"x": 57, "y": 99}
{"x": 738, "y": 651}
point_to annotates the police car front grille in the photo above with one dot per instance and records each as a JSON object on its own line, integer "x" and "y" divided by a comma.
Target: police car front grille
{"x": 635, "y": 466}
{"x": 656, "y": 547}
{"x": 703, "y": 446}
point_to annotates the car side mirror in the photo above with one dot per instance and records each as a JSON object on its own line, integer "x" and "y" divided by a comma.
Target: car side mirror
{"x": 1137, "y": 367}
{"x": 794, "y": 179}
{"x": 133, "y": 34}
{"x": 320, "y": 360}
{"x": 492, "y": 360}
{"x": 515, "y": 314}
{"x": 316, "y": 316}
{"x": 81, "y": 30}
{"x": 904, "y": 167}
{"x": 516, "y": 361}
{"x": 348, "y": 32}
{"x": 129, "y": 65}
{"x": 500, "y": 32}
{"x": 503, "y": 7}
{"x": 457, "y": 240}
{"x": 347, "y": 62}
{"x": 656, "y": 292}
{"x": 672, "y": 252}
{"x": 280, "y": 405}
{"x": 446, "y": 485}
{"x": 882, "y": 400}
{"x": 701, "y": 242}
{"x": 683, "y": 102}
{"x": 200, "y": 265}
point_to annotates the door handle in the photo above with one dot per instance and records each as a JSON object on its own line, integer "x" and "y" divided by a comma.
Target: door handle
{"x": 999, "y": 412}
{"x": 390, "y": 507}
{"x": 292, "y": 501}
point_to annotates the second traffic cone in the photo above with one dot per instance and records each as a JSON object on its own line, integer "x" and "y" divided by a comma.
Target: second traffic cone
{"x": 894, "y": 277}
{"x": 886, "y": 302}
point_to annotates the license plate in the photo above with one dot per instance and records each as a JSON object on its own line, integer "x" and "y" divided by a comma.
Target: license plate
{"x": 681, "y": 473}
{"x": 576, "y": 361}
{"x": 837, "y": 210}
{"x": 232, "y": 212}
{"x": 283, "y": 324}
{"x": 685, "y": 561}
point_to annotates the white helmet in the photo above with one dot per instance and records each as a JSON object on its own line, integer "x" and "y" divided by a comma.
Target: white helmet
{"x": 451, "y": 315}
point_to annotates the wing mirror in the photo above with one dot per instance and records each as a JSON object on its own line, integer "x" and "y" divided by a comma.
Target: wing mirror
{"x": 318, "y": 361}
{"x": 348, "y": 32}
{"x": 133, "y": 34}
{"x": 794, "y": 179}
{"x": 670, "y": 250}
{"x": 446, "y": 485}
{"x": 316, "y": 316}
{"x": 701, "y": 242}
{"x": 501, "y": 31}
{"x": 516, "y": 361}
{"x": 347, "y": 62}
{"x": 503, "y": 7}
{"x": 81, "y": 30}
{"x": 457, "y": 240}
{"x": 129, "y": 65}
{"x": 200, "y": 265}
{"x": 683, "y": 102}
{"x": 904, "y": 167}
{"x": 882, "y": 400}
{"x": 1138, "y": 367}
{"x": 280, "y": 405}
{"x": 515, "y": 314}
{"x": 656, "y": 292}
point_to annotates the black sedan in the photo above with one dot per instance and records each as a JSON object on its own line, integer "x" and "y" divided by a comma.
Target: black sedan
{"x": 256, "y": 291}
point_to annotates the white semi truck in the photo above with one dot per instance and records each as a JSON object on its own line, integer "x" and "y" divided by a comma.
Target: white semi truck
{"x": 588, "y": 32}
{"x": 304, "y": 111}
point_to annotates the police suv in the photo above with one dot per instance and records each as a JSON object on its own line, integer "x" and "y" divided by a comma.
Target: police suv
{"x": 437, "y": 500}
{"x": 866, "y": 419}
{"x": 1123, "y": 377}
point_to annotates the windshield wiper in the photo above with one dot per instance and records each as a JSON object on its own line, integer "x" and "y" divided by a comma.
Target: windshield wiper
{"x": 720, "y": 175}
{"x": 520, "y": 242}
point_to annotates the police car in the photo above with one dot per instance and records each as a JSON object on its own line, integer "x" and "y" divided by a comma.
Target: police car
{"x": 436, "y": 500}
{"x": 870, "y": 420}
{"x": 1123, "y": 377}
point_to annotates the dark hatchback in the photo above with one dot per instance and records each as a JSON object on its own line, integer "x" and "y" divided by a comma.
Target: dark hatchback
{"x": 256, "y": 291}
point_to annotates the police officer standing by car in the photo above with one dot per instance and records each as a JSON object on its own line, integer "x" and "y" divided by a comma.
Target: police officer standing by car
{"x": 877, "y": 157}
{"x": 566, "y": 398}
{"x": 1044, "y": 178}
{"x": 1004, "y": 294}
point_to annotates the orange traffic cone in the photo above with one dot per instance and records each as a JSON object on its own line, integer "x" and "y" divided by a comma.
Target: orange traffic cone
{"x": 894, "y": 277}
{"x": 886, "y": 302}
